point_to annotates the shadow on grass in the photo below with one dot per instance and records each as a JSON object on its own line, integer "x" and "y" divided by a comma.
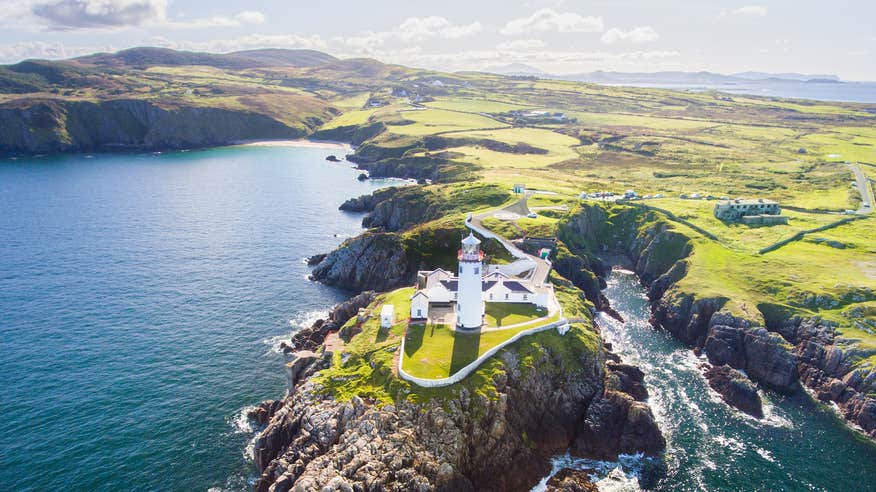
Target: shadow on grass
{"x": 382, "y": 334}
{"x": 414, "y": 339}
{"x": 465, "y": 350}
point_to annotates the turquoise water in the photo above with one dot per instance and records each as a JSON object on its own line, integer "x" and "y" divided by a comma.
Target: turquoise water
{"x": 798, "y": 446}
{"x": 140, "y": 299}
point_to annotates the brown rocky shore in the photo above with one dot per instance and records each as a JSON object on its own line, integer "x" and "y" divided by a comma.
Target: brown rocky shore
{"x": 452, "y": 438}
{"x": 785, "y": 355}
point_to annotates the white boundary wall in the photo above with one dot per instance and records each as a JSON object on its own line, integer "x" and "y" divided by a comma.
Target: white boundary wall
{"x": 561, "y": 325}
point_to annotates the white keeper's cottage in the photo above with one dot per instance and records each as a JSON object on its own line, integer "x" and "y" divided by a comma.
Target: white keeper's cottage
{"x": 469, "y": 290}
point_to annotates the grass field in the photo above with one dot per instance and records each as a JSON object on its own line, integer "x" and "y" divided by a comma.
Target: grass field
{"x": 436, "y": 351}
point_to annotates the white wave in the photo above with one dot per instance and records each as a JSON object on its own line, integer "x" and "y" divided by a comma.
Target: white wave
{"x": 241, "y": 423}
{"x": 772, "y": 415}
{"x": 620, "y": 475}
{"x": 765, "y": 454}
{"x": 306, "y": 319}
{"x": 275, "y": 344}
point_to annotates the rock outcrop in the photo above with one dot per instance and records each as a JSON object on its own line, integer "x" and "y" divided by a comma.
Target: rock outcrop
{"x": 569, "y": 480}
{"x": 375, "y": 261}
{"x": 312, "y": 337}
{"x": 366, "y": 203}
{"x": 735, "y": 389}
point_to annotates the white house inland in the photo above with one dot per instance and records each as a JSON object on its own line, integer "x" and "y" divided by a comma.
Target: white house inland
{"x": 468, "y": 291}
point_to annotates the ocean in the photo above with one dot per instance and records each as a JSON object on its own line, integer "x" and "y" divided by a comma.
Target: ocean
{"x": 142, "y": 298}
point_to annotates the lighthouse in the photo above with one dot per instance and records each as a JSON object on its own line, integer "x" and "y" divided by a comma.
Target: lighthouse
{"x": 470, "y": 302}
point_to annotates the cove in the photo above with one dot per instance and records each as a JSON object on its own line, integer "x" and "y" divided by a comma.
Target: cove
{"x": 799, "y": 445}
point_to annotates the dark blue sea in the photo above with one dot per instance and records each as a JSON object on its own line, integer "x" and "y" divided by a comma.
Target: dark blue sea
{"x": 141, "y": 301}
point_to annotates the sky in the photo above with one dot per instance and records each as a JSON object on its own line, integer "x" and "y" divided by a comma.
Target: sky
{"x": 556, "y": 36}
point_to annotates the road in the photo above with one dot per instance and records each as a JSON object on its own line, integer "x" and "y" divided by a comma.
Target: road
{"x": 539, "y": 274}
{"x": 864, "y": 189}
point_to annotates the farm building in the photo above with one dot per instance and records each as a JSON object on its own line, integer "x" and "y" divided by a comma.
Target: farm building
{"x": 757, "y": 211}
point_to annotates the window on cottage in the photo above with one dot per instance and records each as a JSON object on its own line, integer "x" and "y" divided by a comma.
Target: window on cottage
{"x": 477, "y": 270}
{"x": 524, "y": 297}
{"x": 491, "y": 297}
{"x": 506, "y": 296}
{"x": 419, "y": 313}
{"x": 460, "y": 269}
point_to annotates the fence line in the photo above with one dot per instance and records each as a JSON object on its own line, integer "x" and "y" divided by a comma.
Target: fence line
{"x": 468, "y": 369}
{"x": 801, "y": 234}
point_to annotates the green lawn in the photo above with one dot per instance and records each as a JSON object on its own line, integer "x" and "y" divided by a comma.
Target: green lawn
{"x": 436, "y": 351}
{"x": 500, "y": 314}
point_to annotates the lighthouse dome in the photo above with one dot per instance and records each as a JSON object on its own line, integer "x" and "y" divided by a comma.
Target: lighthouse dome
{"x": 471, "y": 240}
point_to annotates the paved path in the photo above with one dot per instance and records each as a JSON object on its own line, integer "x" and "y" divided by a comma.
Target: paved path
{"x": 864, "y": 189}
{"x": 541, "y": 268}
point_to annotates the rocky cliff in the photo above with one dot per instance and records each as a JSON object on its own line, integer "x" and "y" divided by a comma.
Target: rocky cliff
{"x": 494, "y": 431}
{"x": 788, "y": 351}
{"x": 376, "y": 261}
{"x": 51, "y": 125}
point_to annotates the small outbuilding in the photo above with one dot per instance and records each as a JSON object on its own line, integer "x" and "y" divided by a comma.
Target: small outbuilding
{"x": 387, "y": 316}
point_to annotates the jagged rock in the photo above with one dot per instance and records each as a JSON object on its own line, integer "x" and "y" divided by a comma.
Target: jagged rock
{"x": 366, "y": 203}
{"x": 362, "y": 177}
{"x": 315, "y": 259}
{"x": 264, "y": 411}
{"x": 626, "y": 378}
{"x": 617, "y": 424}
{"x": 725, "y": 345}
{"x": 370, "y": 261}
{"x": 735, "y": 389}
{"x": 332, "y": 158}
{"x": 770, "y": 360}
{"x": 569, "y": 480}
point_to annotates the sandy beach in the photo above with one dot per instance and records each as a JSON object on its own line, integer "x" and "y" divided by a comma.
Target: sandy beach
{"x": 324, "y": 144}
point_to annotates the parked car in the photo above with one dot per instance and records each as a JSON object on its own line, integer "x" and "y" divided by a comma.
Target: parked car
{"x": 532, "y": 215}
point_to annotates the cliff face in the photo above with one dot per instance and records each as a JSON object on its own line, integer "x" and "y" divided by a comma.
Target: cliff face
{"x": 780, "y": 356}
{"x": 369, "y": 261}
{"x": 537, "y": 403}
{"x": 57, "y": 126}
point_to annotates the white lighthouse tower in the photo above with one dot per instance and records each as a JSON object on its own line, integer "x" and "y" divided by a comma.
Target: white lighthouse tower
{"x": 470, "y": 302}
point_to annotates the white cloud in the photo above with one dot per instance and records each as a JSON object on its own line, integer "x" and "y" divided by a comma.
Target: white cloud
{"x": 642, "y": 34}
{"x": 67, "y": 15}
{"x": 243, "y": 18}
{"x": 419, "y": 28}
{"x": 521, "y": 45}
{"x": 88, "y": 14}
{"x": 455, "y": 32}
{"x": 747, "y": 11}
{"x": 548, "y": 19}
{"x": 250, "y": 17}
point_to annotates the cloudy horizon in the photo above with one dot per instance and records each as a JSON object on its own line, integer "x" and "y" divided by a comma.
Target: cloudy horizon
{"x": 555, "y": 36}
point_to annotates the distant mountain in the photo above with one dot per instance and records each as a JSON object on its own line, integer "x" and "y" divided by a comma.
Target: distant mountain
{"x": 147, "y": 56}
